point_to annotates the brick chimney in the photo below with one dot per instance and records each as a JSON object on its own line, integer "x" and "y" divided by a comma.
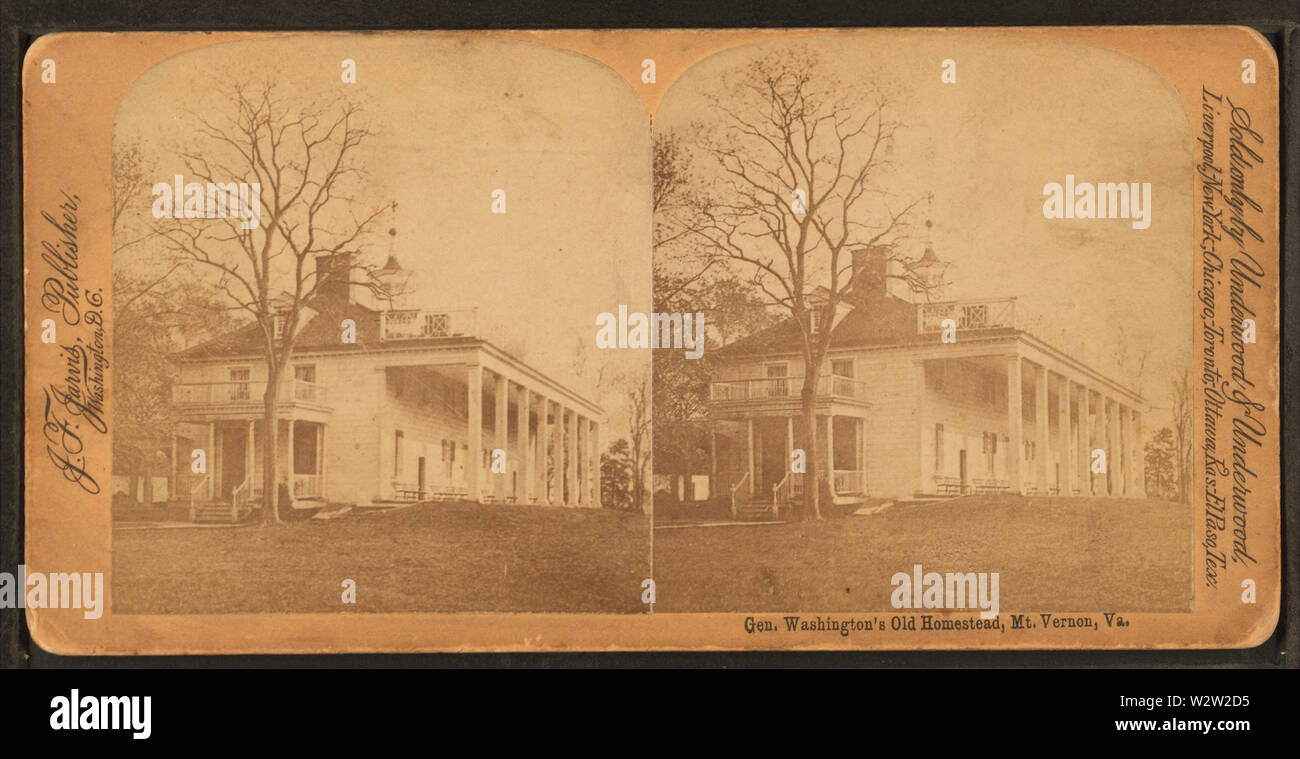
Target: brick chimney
{"x": 870, "y": 283}
{"x": 336, "y": 273}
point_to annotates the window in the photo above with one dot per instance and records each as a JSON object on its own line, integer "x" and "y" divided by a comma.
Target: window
{"x": 777, "y": 387}
{"x": 304, "y": 382}
{"x": 990, "y": 450}
{"x": 398, "y": 439}
{"x": 938, "y": 447}
{"x": 277, "y": 325}
{"x": 816, "y": 315}
{"x": 239, "y": 376}
{"x": 842, "y": 367}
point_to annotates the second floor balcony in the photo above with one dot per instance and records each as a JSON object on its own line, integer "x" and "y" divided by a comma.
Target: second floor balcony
{"x": 966, "y": 314}
{"x": 417, "y": 324}
{"x": 829, "y": 386}
{"x": 242, "y": 398}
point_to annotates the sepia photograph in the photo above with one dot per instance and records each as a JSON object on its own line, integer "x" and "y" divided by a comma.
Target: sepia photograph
{"x": 914, "y": 367}
{"x": 353, "y": 364}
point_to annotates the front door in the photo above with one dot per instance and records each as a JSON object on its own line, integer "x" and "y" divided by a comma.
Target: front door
{"x": 234, "y": 457}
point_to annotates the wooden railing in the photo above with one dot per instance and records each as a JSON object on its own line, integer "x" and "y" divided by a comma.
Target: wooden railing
{"x": 239, "y": 497}
{"x": 202, "y": 484}
{"x": 966, "y": 314}
{"x": 786, "y": 387}
{"x": 735, "y": 489}
{"x": 249, "y": 392}
{"x": 306, "y": 486}
{"x": 850, "y": 481}
{"x": 423, "y": 323}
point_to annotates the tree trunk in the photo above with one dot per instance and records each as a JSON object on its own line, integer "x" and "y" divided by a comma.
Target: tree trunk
{"x": 808, "y": 398}
{"x": 271, "y": 409}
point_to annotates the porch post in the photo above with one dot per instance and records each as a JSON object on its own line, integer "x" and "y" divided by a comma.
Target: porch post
{"x": 789, "y": 440}
{"x": 289, "y": 468}
{"x": 595, "y": 465}
{"x": 750, "y": 424}
{"x": 250, "y": 459}
{"x": 474, "y": 421}
{"x": 571, "y": 458}
{"x": 1140, "y": 490}
{"x": 174, "y": 476}
{"x": 211, "y": 458}
{"x": 1084, "y": 445}
{"x": 1040, "y": 428}
{"x": 523, "y": 440}
{"x": 543, "y": 449}
{"x": 1113, "y": 458}
{"x": 1063, "y": 434}
{"x": 1124, "y": 438}
{"x": 830, "y": 452}
{"x": 580, "y": 460}
{"x": 1015, "y": 439}
{"x": 501, "y": 435}
{"x": 925, "y": 432}
{"x": 320, "y": 459}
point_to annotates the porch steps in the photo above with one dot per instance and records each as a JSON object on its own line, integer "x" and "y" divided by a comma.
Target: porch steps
{"x": 757, "y": 512}
{"x": 216, "y": 512}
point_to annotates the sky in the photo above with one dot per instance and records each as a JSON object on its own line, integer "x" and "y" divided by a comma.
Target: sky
{"x": 1022, "y": 113}
{"x": 455, "y": 119}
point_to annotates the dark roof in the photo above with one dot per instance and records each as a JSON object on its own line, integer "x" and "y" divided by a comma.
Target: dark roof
{"x": 321, "y": 331}
{"x": 880, "y": 322}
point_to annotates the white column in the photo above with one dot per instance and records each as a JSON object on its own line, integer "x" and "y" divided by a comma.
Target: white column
{"x": 925, "y": 433}
{"x": 579, "y": 460}
{"x": 1125, "y": 466}
{"x": 250, "y": 456}
{"x": 523, "y": 443}
{"x": 501, "y": 436}
{"x": 1040, "y": 428}
{"x": 210, "y": 457}
{"x": 474, "y": 422}
{"x": 595, "y": 464}
{"x": 830, "y": 452}
{"x": 1112, "y": 447}
{"x": 320, "y": 460}
{"x": 1015, "y": 435}
{"x": 571, "y": 458}
{"x": 383, "y": 484}
{"x": 1063, "y": 433}
{"x": 1140, "y": 473}
{"x": 1083, "y": 466}
{"x": 544, "y": 434}
{"x": 750, "y": 425}
{"x": 289, "y": 465}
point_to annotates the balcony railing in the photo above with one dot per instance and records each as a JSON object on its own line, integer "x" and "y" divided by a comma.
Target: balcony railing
{"x": 424, "y": 323}
{"x": 250, "y": 392}
{"x": 966, "y": 314}
{"x": 306, "y": 485}
{"x": 850, "y": 480}
{"x": 786, "y": 387}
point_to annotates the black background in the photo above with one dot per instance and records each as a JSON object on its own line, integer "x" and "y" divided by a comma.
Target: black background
{"x": 919, "y": 695}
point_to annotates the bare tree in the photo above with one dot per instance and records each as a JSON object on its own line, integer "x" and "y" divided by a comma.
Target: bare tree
{"x": 639, "y": 398}
{"x": 798, "y": 159}
{"x": 304, "y": 156}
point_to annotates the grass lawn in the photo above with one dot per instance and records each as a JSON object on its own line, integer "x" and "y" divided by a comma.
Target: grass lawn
{"x": 429, "y": 557}
{"x": 1055, "y": 554}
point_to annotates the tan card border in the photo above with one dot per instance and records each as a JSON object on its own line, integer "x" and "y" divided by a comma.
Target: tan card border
{"x": 67, "y": 131}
